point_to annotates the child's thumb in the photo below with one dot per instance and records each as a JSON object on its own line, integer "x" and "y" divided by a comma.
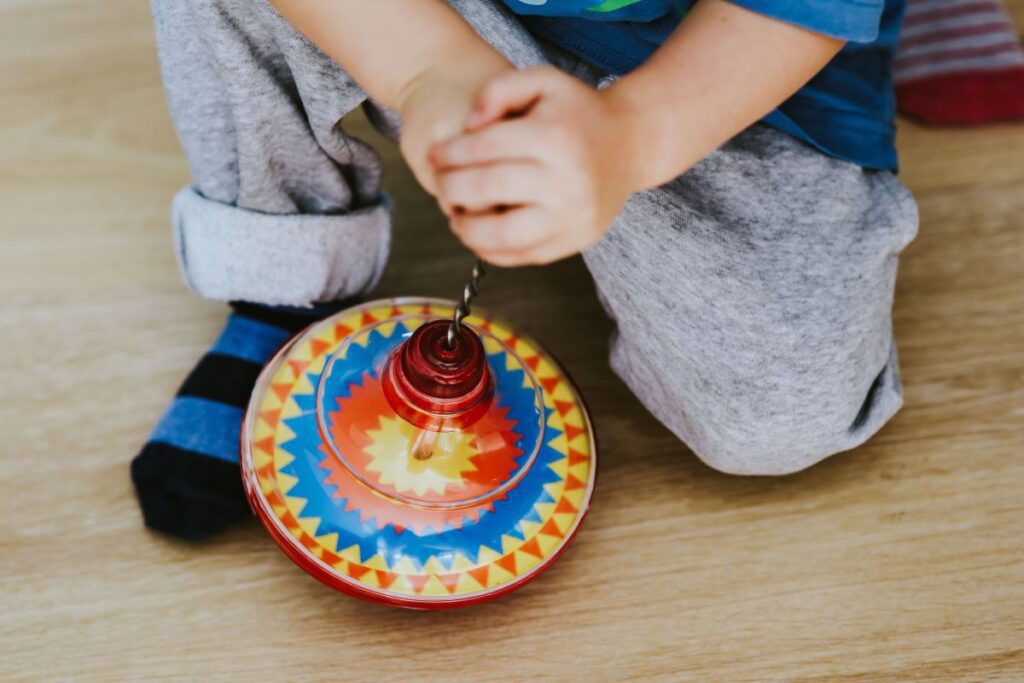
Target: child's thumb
{"x": 507, "y": 95}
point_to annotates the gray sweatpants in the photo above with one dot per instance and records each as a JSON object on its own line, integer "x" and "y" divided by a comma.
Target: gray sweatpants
{"x": 752, "y": 294}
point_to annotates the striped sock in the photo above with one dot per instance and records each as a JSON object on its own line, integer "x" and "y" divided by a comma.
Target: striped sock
{"x": 959, "y": 62}
{"x": 186, "y": 476}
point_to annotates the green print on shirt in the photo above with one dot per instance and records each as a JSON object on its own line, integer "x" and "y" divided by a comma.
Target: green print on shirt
{"x": 612, "y": 5}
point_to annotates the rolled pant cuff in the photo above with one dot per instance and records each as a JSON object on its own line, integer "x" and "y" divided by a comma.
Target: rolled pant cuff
{"x": 227, "y": 253}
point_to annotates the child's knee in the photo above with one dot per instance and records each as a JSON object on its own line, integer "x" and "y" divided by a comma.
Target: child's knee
{"x": 780, "y": 424}
{"x": 767, "y": 448}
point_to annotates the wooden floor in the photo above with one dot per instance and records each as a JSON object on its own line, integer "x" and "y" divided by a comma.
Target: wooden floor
{"x": 902, "y": 560}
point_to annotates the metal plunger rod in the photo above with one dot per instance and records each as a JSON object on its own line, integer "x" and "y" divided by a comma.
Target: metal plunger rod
{"x": 468, "y": 293}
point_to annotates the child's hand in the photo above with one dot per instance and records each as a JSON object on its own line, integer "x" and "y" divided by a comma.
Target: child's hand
{"x": 545, "y": 182}
{"x": 434, "y": 107}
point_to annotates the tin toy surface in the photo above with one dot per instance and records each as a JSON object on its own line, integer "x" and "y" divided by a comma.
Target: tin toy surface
{"x": 408, "y": 464}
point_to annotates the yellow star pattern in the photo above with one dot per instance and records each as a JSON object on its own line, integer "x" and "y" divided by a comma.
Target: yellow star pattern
{"x": 415, "y": 460}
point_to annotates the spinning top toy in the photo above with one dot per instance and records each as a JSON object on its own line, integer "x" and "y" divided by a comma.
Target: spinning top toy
{"x": 410, "y": 453}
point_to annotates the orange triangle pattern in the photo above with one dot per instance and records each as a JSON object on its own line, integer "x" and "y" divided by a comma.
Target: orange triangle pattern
{"x": 533, "y": 548}
{"x": 317, "y": 347}
{"x": 450, "y": 581}
{"x": 297, "y": 366}
{"x": 281, "y": 390}
{"x": 549, "y": 384}
{"x": 480, "y": 574}
{"x": 508, "y": 563}
{"x": 418, "y": 581}
{"x": 575, "y": 457}
{"x": 572, "y": 483}
{"x": 572, "y": 431}
{"x": 551, "y": 529}
{"x": 565, "y": 506}
{"x": 357, "y": 571}
{"x": 563, "y": 407}
{"x": 385, "y": 579}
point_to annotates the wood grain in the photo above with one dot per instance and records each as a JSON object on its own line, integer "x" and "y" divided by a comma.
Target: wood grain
{"x": 902, "y": 560}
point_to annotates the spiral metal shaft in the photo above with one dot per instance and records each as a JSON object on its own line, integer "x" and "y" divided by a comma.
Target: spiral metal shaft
{"x": 462, "y": 309}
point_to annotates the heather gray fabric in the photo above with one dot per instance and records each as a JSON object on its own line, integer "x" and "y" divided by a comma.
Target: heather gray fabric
{"x": 257, "y": 109}
{"x": 753, "y": 299}
{"x": 752, "y": 295}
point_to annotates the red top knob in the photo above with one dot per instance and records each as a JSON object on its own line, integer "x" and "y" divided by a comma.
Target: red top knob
{"x": 437, "y": 387}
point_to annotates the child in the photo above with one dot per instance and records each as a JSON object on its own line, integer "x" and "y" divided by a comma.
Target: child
{"x": 726, "y": 168}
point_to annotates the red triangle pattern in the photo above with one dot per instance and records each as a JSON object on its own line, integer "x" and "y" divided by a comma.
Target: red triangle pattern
{"x": 532, "y": 362}
{"x": 341, "y": 331}
{"x": 563, "y": 407}
{"x": 271, "y": 417}
{"x": 367, "y": 319}
{"x": 266, "y": 445}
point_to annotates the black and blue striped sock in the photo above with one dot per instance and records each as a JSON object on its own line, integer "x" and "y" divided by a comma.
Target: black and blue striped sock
{"x": 187, "y": 476}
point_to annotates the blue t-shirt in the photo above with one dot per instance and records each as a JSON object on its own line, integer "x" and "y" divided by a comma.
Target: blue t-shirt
{"x": 847, "y": 110}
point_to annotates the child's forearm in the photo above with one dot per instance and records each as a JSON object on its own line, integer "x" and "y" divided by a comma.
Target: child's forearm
{"x": 388, "y": 45}
{"x": 724, "y": 68}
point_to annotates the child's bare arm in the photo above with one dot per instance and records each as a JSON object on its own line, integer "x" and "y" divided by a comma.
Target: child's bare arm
{"x": 723, "y": 69}
{"x": 418, "y": 57}
{"x": 570, "y": 163}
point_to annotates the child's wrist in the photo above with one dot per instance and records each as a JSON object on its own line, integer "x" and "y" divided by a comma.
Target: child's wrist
{"x": 473, "y": 73}
{"x": 655, "y": 150}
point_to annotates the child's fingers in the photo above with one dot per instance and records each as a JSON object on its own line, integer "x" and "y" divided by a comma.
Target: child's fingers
{"x": 508, "y": 140}
{"x": 494, "y": 233}
{"x": 479, "y": 188}
{"x": 508, "y": 94}
{"x": 539, "y": 253}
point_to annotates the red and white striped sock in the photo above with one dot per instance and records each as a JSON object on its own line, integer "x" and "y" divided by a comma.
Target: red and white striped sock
{"x": 959, "y": 62}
